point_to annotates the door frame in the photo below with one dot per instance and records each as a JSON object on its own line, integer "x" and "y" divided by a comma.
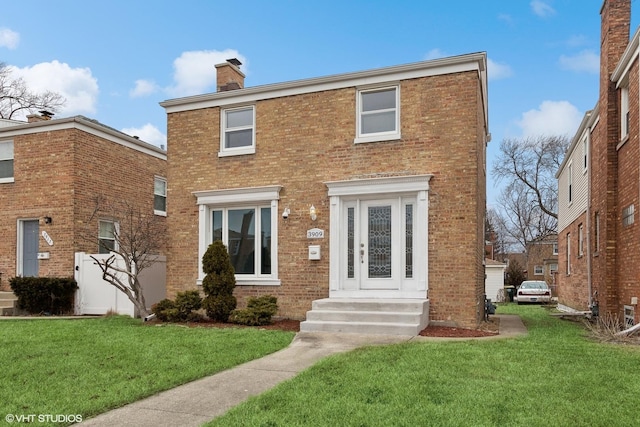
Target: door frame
{"x": 342, "y": 192}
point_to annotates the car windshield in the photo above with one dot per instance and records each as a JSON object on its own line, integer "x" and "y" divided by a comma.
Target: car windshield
{"x": 533, "y": 285}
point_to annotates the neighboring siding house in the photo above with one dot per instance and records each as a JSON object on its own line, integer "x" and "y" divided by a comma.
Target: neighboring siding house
{"x": 51, "y": 172}
{"x": 348, "y": 188}
{"x": 612, "y": 249}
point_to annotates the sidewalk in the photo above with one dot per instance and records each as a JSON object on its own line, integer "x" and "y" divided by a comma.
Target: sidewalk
{"x": 197, "y": 402}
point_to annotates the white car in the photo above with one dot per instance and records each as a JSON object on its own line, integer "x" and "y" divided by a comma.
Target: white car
{"x": 533, "y": 291}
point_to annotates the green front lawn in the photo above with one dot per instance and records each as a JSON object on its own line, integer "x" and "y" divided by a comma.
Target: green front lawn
{"x": 554, "y": 376}
{"x": 89, "y": 366}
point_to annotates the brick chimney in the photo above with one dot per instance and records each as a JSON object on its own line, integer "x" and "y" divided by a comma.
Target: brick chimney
{"x": 43, "y": 116}
{"x": 614, "y": 37}
{"x": 229, "y": 76}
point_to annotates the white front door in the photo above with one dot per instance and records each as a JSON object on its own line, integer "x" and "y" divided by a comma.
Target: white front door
{"x": 378, "y": 235}
{"x": 378, "y": 245}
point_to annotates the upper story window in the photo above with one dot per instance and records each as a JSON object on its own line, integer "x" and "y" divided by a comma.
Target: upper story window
{"x": 624, "y": 112}
{"x": 238, "y": 131}
{"x": 555, "y": 248}
{"x": 585, "y": 154}
{"x": 378, "y": 114}
{"x": 570, "y": 183}
{"x": 107, "y": 236}
{"x": 160, "y": 196}
{"x": 6, "y": 161}
{"x": 628, "y": 215}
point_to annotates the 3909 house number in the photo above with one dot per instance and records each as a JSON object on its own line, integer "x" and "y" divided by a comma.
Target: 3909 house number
{"x": 315, "y": 233}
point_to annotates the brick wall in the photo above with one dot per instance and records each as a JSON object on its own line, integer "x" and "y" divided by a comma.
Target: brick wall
{"x": 572, "y": 288}
{"x": 306, "y": 140}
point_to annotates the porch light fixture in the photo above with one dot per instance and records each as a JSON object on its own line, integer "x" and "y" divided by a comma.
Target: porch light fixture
{"x": 285, "y": 213}
{"x": 48, "y": 220}
{"x": 312, "y": 213}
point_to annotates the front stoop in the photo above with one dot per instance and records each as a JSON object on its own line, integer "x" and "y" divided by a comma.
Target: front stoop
{"x": 367, "y": 316}
{"x": 7, "y": 303}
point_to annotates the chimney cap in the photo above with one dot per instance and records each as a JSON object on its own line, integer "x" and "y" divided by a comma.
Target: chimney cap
{"x": 234, "y": 61}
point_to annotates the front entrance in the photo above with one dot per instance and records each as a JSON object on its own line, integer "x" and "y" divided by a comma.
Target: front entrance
{"x": 28, "y": 251}
{"x": 379, "y": 238}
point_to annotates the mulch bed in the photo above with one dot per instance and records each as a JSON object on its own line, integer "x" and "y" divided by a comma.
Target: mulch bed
{"x": 486, "y": 329}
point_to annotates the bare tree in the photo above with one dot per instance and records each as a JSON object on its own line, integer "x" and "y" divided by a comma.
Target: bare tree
{"x": 528, "y": 204}
{"x": 533, "y": 162}
{"x": 136, "y": 243}
{"x": 16, "y": 97}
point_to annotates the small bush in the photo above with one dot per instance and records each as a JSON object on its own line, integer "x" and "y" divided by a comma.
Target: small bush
{"x": 44, "y": 295}
{"x": 259, "y": 311}
{"x": 181, "y": 309}
{"x": 219, "y": 307}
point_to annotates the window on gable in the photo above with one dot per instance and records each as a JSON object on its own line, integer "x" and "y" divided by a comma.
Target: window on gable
{"x": 585, "y": 154}
{"x": 624, "y": 112}
{"x": 106, "y": 236}
{"x": 378, "y": 114}
{"x": 570, "y": 183}
{"x": 160, "y": 196}
{"x": 238, "y": 131}
{"x": 6, "y": 161}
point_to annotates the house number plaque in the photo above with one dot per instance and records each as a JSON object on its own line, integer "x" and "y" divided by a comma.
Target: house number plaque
{"x": 315, "y": 233}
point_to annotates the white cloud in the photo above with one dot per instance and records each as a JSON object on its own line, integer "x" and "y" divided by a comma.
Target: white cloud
{"x": 542, "y": 9}
{"x": 497, "y": 71}
{"x": 148, "y": 133}
{"x": 587, "y": 61}
{"x": 143, "y": 88}
{"x": 195, "y": 72}
{"x": 77, "y": 85}
{"x": 9, "y": 38}
{"x": 435, "y": 54}
{"x": 551, "y": 118}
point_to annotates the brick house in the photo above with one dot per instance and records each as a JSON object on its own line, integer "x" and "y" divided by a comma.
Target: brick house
{"x": 599, "y": 183}
{"x": 365, "y": 188}
{"x": 51, "y": 171}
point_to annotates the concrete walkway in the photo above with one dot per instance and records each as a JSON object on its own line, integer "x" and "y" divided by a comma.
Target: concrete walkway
{"x": 199, "y": 401}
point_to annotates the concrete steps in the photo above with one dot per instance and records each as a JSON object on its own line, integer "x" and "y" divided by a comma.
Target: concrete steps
{"x": 7, "y": 303}
{"x": 367, "y": 316}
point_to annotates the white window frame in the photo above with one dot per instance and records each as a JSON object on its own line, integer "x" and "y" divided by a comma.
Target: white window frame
{"x": 628, "y": 215}
{"x": 4, "y": 157}
{"x": 580, "y": 240}
{"x": 585, "y": 155}
{"x": 237, "y": 151}
{"x": 538, "y": 270}
{"x": 212, "y": 200}
{"x": 570, "y": 183}
{"x": 116, "y": 229}
{"x": 555, "y": 248}
{"x": 624, "y": 112}
{"x": 377, "y": 136}
{"x": 568, "y": 253}
{"x": 156, "y": 194}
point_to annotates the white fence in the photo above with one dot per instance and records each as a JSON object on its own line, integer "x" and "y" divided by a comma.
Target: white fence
{"x": 96, "y": 296}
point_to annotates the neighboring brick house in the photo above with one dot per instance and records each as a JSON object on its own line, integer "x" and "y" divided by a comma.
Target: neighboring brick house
{"x": 362, "y": 186}
{"x": 51, "y": 171}
{"x": 542, "y": 259}
{"x": 608, "y": 275}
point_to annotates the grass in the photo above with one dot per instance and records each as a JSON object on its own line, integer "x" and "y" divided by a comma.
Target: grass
{"x": 555, "y": 376}
{"x": 89, "y": 366}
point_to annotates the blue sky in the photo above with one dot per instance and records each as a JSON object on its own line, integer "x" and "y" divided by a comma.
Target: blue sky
{"x": 116, "y": 60}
